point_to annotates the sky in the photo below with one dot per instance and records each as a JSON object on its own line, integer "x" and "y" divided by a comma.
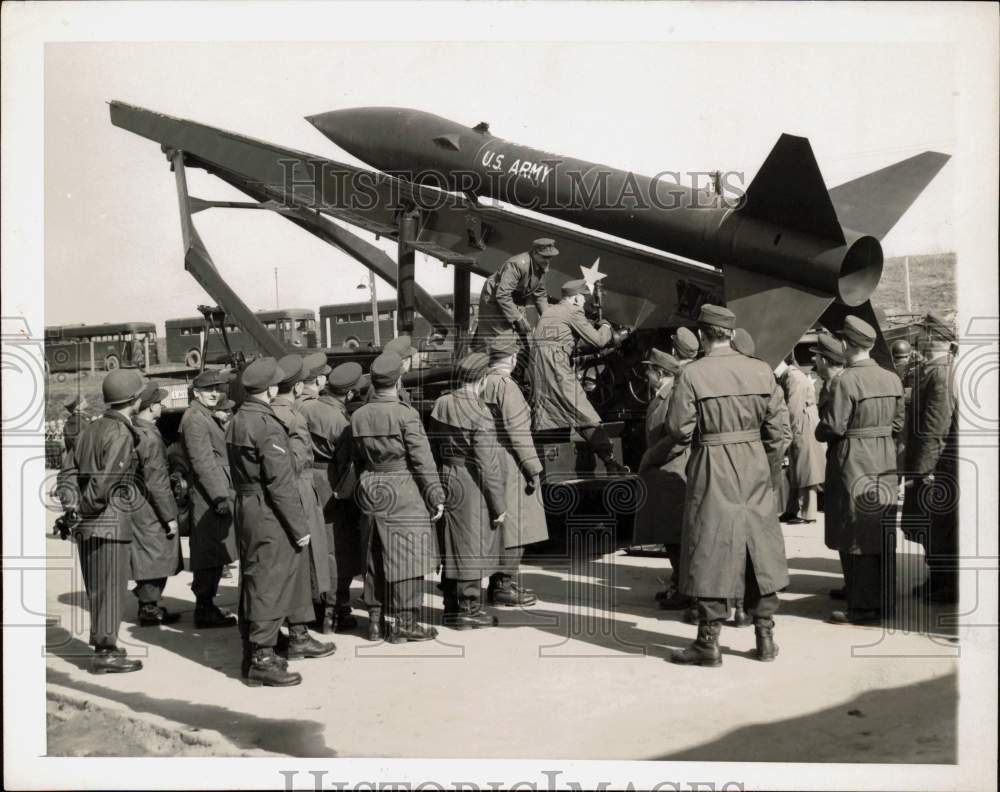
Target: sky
{"x": 112, "y": 235}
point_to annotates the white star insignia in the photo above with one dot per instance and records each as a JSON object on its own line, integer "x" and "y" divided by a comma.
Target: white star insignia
{"x": 591, "y": 274}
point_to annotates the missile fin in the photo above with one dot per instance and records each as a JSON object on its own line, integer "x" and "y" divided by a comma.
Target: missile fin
{"x": 757, "y": 299}
{"x": 788, "y": 191}
{"x": 873, "y": 203}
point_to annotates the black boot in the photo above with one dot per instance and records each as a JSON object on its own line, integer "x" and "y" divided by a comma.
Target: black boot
{"x": 470, "y": 616}
{"x": 705, "y": 649}
{"x": 504, "y": 591}
{"x": 152, "y": 615}
{"x": 672, "y": 599}
{"x": 343, "y": 620}
{"x": 207, "y": 616}
{"x": 266, "y": 668}
{"x": 376, "y": 625}
{"x": 326, "y": 619}
{"x": 302, "y": 646}
{"x": 740, "y": 617}
{"x": 407, "y": 628}
{"x": 111, "y": 660}
{"x": 767, "y": 649}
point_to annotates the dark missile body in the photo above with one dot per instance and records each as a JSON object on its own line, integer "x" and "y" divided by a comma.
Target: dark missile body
{"x": 784, "y": 226}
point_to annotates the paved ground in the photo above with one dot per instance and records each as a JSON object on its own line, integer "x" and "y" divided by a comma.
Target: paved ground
{"x": 581, "y": 675}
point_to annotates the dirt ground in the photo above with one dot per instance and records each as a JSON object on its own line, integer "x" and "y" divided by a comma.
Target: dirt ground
{"x": 584, "y": 674}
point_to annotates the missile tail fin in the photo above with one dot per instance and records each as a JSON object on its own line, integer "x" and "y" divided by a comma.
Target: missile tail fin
{"x": 874, "y": 203}
{"x": 757, "y": 300}
{"x": 789, "y": 191}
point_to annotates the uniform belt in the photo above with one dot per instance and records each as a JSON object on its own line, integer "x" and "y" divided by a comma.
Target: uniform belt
{"x": 386, "y": 467}
{"x": 322, "y": 465}
{"x": 728, "y": 438}
{"x": 248, "y": 489}
{"x": 869, "y": 431}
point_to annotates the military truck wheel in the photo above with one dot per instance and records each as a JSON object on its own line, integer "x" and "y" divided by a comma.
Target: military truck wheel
{"x": 111, "y": 362}
{"x": 192, "y": 359}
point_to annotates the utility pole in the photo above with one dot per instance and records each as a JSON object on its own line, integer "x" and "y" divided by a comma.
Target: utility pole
{"x": 906, "y": 279}
{"x": 276, "y": 306}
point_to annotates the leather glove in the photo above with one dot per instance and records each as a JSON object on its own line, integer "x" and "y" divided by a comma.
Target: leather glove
{"x": 221, "y": 506}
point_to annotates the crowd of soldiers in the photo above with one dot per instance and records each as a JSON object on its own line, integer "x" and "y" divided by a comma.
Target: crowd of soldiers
{"x": 324, "y": 475}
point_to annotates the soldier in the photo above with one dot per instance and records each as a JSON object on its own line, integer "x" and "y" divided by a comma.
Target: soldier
{"x": 525, "y": 522}
{"x": 101, "y": 488}
{"x": 686, "y": 345}
{"x": 402, "y": 346}
{"x": 293, "y": 418}
{"x": 465, "y": 439}
{"x": 155, "y": 551}
{"x": 807, "y": 456}
{"x": 507, "y": 291}
{"x": 859, "y": 418}
{"x": 730, "y": 409}
{"x": 329, "y": 424}
{"x": 397, "y": 484}
{"x": 660, "y": 517}
{"x": 902, "y": 361}
{"x": 76, "y": 405}
{"x": 273, "y": 532}
{"x": 213, "y": 542}
{"x": 931, "y": 501}
{"x": 558, "y": 400}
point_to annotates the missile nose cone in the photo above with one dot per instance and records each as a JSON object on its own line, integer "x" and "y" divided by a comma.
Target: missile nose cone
{"x": 356, "y": 130}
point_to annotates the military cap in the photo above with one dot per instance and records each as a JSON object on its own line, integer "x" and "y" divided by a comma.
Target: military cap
{"x": 72, "y": 401}
{"x": 685, "y": 343}
{"x": 473, "y": 366}
{"x": 151, "y": 394}
{"x": 363, "y": 384}
{"x": 545, "y": 246}
{"x": 504, "y": 345}
{"x": 122, "y": 385}
{"x": 314, "y": 365}
{"x": 292, "y": 366}
{"x": 830, "y": 347}
{"x": 261, "y": 374}
{"x": 667, "y": 362}
{"x": 574, "y": 287}
{"x": 212, "y": 377}
{"x": 716, "y": 316}
{"x": 858, "y": 331}
{"x": 386, "y": 369}
{"x": 343, "y": 378}
{"x": 402, "y": 346}
{"x": 743, "y": 343}
{"x": 227, "y": 405}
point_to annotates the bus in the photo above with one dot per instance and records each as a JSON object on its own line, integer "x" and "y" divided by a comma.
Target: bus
{"x": 349, "y": 325}
{"x": 186, "y": 337}
{"x": 109, "y": 346}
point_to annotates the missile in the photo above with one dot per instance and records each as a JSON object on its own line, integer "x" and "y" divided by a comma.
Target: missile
{"x": 782, "y": 232}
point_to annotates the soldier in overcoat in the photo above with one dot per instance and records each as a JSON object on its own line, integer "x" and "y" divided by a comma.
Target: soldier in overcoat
{"x": 807, "y": 456}
{"x": 273, "y": 533}
{"x": 522, "y": 470}
{"x": 730, "y": 409}
{"x": 863, "y": 412}
{"x": 558, "y": 399}
{"x": 155, "y": 552}
{"x": 293, "y": 418}
{"x": 464, "y": 439}
{"x": 210, "y": 490}
{"x": 329, "y": 424}
{"x": 662, "y": 470}
{"x": 399, "y": 490}
{"x": 101, "y": 489}
{"x": 930, "y": 507}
